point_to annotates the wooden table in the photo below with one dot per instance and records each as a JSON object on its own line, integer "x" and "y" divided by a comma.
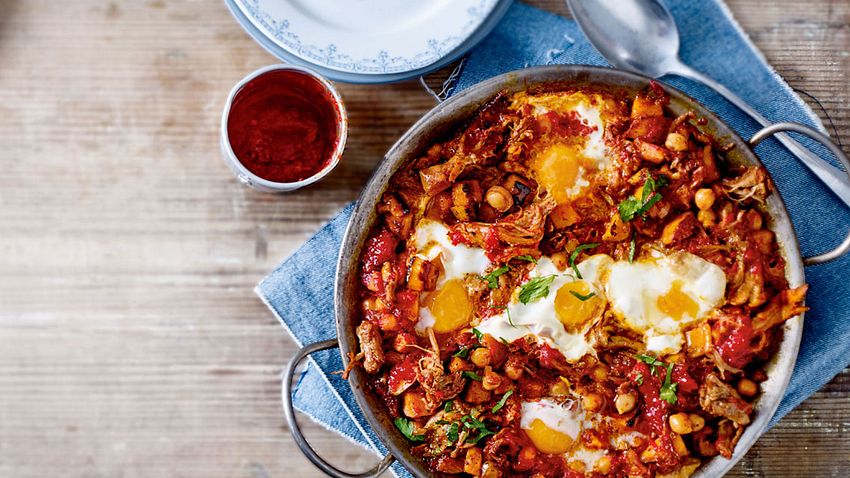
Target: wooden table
{"x": 131, "y": 343}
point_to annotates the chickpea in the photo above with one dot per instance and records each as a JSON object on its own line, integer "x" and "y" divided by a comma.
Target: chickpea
{"x": 676, "y": 142}
{"x": 704, "y": 198}
{"x": 599, "y": 374}
{"x": 681, "y": 423}
{"x": 706, "y": 217}
{"x": 559, "y": 389}
{"x": 499, "y": 198}
{"x": 491, "y": 380}
{"x": 592, "y": 402}
{"x": 480, "y": 357}
{"x": 747, "y": 388}
{"x": 625, "y": 403}
{"x": 697, "y": 422}
{"x": 513, "y": 370}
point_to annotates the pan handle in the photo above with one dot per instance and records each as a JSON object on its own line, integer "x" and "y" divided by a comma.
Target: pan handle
{"x": 289, "y": 412}
{"x": 765, "y": 132}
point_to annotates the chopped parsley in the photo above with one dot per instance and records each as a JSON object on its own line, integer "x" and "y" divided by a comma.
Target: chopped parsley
{"x": 405, "y": 426}
{"x": 508, "y": 312}
{"x": 582, "y": 297}
{"x": 498, "y": 406}
{"x": 633, "y": 207}
{"x": 464, "y": 351}
{"x": 474, "y": 425}
{"x": 668, "y": 388}
{"x": 649, "y": 360}
{"x": 493, "y": 277}
{"x": 478, "y": 333}
{"x": 471, "y": 375}
{"x": 526, "y": 258}
{"x": 452, "y": 434}
{"x": 639, "y": 379}
{"x": 575, "y": 254}
{"x": 535, "y": 289}
{"x": 449, "y": 406}
{"x": 632, "y": 247}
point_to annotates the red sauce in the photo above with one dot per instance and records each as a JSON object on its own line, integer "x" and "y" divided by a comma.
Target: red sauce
{"x": 735, "y": 347}
{"x": 379, "y": 248}
{"x": 283, "y": 126}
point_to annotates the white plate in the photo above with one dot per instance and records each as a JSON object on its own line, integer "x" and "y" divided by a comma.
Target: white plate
{"x": 370, "y": 37}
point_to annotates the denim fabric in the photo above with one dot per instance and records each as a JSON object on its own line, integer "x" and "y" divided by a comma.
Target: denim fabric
{"x": 299, "y": 292}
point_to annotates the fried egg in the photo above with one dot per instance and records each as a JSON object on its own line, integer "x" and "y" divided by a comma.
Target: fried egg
{"x": 573, "y": 147}
{"x": 448, "y": 307}
{"x": 562, "y": 318}
{"x": 551, "y": 426}
{"x": 656, "y": 297}
{"x": 659, "y": 296}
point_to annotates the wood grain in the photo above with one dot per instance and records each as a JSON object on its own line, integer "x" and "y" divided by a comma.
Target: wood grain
{"x": 131, "y": 344}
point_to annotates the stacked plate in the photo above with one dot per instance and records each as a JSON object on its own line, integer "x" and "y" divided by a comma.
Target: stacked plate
{"x": 368, "y": 41}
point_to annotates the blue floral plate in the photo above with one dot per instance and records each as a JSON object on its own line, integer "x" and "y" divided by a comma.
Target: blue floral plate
{"x": 368, "y": 41}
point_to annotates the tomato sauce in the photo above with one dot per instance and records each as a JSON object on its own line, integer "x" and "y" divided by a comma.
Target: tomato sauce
{"x": 282, "y": 126}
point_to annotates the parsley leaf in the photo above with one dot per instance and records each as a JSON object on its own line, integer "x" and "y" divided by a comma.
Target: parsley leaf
{"x": 481, "y": 434}
{"x": 649, "y": 360}
{"x": 632, "y": 247}
{"x": 472, "y": 375}
{"x": 472, "y": 423}
{"x": 449, "y": 406}
{"x": 639, "y": 379}
{"x": 582, "y": 297}
{"x": 668, "y": 388}
{"x": 526, "y": 258}
{"x": 501, "y": 402}
{"x": 575, "y": 254}
{"x": 493, "y": 277}
{"x": 632, "y": 207}
{"x": 452, "y": 433}
{"x": 478, "y": 333}
{"x": 535, "y": 289}
{"x": 405, "y": 426}
{"x": 464, "y": 351}
{"x": 510, "y": 321}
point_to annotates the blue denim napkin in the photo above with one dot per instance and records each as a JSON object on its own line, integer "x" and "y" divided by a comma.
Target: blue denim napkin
{"x": 299, "y": 292}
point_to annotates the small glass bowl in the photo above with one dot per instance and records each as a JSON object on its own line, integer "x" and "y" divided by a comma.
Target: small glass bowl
{"x": 248, "y": 178}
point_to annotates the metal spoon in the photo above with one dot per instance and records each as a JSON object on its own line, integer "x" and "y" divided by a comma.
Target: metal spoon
{"x": 641, "y": 36}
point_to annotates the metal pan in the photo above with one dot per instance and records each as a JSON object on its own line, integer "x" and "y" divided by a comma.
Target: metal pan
{"x": 443, "y": 120}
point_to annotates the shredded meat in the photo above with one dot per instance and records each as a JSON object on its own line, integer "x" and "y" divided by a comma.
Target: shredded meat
{"x": 753, "y": 184}
{"x": 370, "y": 346}
{"x": 438, "y": 384}
{"x": 718, "y": 398}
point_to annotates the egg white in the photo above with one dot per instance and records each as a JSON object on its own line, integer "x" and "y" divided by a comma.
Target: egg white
{"x": 431, "y": 240}
{"x": 539, "y": 319}
{"x": 556, "y": 416}
{"x": 633, "y": 290}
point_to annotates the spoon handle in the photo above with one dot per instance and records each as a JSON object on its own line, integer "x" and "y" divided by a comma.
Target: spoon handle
{"x": 833, "y": 177}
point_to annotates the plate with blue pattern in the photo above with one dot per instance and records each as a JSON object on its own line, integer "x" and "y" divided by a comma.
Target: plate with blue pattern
{"x": 369, "y": 41}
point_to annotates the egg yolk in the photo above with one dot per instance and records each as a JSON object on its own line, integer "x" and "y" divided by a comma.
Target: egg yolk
{"x": 571, "y": 310}
{"x": 556, "y": 169}
{"x": 548, "y": 440}
{"x": 450, "y": 306}
{"x": 677, "y": 304}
